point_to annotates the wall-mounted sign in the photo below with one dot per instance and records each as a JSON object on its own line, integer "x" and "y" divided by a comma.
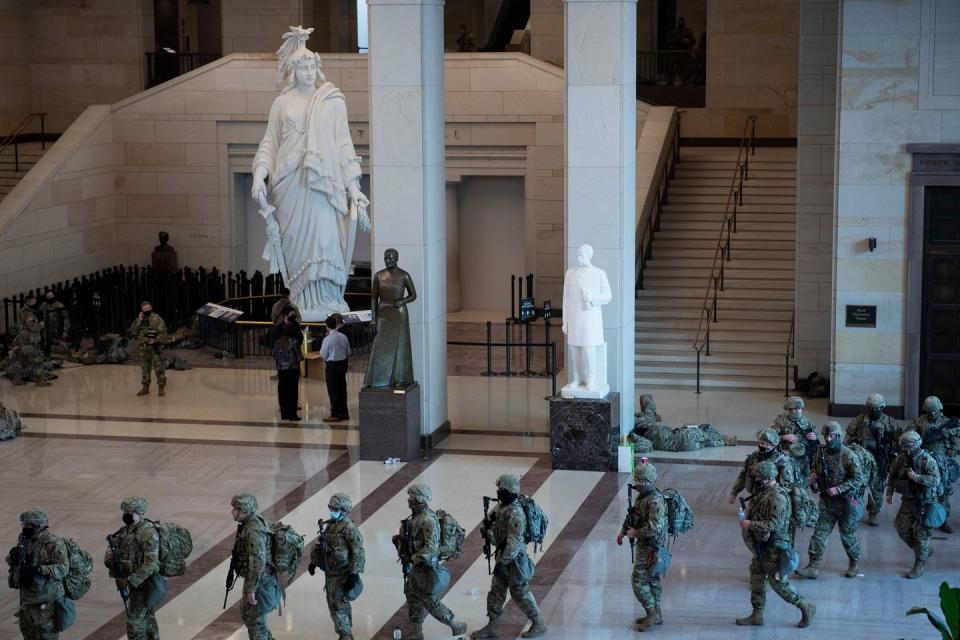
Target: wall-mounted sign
{"x": 861, "y": 315}
{"x": 528, "y": 310}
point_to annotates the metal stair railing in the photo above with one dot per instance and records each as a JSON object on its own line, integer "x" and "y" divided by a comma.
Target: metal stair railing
{"x": 13, "y": 138}
{"x": 721, "y": 254}
{"x": 789, "y": 353}
{"x": 648, "y": 222}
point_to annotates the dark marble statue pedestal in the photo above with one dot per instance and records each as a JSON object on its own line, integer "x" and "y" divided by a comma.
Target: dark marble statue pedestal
{"x": 390, "y": 423}
{"x": 584, "y": 433}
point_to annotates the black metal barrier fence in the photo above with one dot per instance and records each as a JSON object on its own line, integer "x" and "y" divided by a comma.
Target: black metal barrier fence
{"x": 549, "y": 350}
{"x": 255, "y": 338}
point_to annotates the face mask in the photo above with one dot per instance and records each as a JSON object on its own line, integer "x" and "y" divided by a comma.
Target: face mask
{"x": 128, "y": 519}
{"x": 28, "y": 532}
{"x": 834, "y": 444}
{"x": 146, "y": 314}
{"x": 336, "y": 515}
{"x": 505, "y": 497}
{"x": 875, "y": 414}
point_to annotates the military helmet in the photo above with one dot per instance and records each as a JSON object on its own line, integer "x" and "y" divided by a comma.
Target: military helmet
{"x": 509, "y": 482}
{"x": 768, "y": 435}
{"x": 932, "y": 404}
{"x": 420, "y": 493}
{"x": 340, "y": 501}
{"x": 910, "y": 440}
{"x": 645, "y": 473}
{"x": 831, "y": 427}
{"x": 36, "y": 518}
{"x": 793, "y": 402}
{"x": 876, "y": 401}
{"x": 767, "y": 470}
{"x": 646, "y": 402}
{"x": 245, "y": 502}
{"x": 134, "y": 504}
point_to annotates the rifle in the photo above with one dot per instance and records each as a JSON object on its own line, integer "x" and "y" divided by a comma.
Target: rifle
{"x": 756, "y": 545}
{"x": 322, "y": 543}
{"x": 118, "y": 569}
{"x": 631, "y": 514}
{"x": 231, "y": 572}
{"x": 824, "y": 478}
{"x": 18, "y": 555}
{"x": 406, "y": 548}
{"x": 485, "y": 531}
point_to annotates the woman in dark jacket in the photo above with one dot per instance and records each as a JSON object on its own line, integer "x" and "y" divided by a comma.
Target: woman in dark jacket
{"x": 287, "y": 353}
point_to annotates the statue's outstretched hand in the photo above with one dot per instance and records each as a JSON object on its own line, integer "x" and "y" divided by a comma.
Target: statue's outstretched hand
{"x": 259, "y": 191}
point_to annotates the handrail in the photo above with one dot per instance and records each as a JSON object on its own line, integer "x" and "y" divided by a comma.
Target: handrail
{"x": 11, "y": 138}
{"x": 721, "y": 254}
{"x": 788, "y": 353}
{"x": 649, "y": 221}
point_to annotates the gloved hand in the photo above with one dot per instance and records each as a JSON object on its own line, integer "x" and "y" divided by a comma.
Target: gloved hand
{"x": 351, "y": 581}
{"x": 312, "y": 569}
{"x": 123, "y": 583}
{"x": 29, "y": 574}
{"x": 17, "y": 555}
{"x": 500, "y": 570}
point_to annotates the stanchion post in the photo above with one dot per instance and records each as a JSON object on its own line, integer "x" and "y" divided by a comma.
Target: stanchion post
{"x": 489, "y": 371}
{"x": 553, "y": 370}
{"x": 546, "y": 348}
{"x": 513, "y": 298}
{"x": 528, "y": 371}
{"x": 506, "y": 343}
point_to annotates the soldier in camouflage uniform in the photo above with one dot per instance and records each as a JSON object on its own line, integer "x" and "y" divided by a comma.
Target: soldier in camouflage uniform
{"x": 649, "y": 528}
{"x": 425, "y": 558}
{"x": 838, "y": 479}
{"x": 151, "y": 333}
{"x": 648, "y": 426}
{"x": 29, "y": 362}
{"x": 798, "y": 436}
{"x": 767, "y": 451}
{"x": 941, "y": 439}
{"x": 56, "y": 320}
{"x": 878, "y": 433}
{"x": 10, "y": 424}
{"x": 766, "y": 533}
{"x": 509, "y": 529}
{"x": 915, "y": 475}
{"x": 138, "y": 552}
{"x": 343, "y": 562}
{"x": 38, "y": 565}
{"x": 253, "y": 561}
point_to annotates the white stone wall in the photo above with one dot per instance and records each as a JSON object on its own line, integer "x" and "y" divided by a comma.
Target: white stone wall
{"x": 898, "y": 85}
{"x": 164, "y": 160}
{"x": 816, "y": 127}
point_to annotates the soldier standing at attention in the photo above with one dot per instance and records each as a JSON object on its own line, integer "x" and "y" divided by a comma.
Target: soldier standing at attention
{"x": 342, "y": 562}
{"x": 798, "y": 435}
{"x": 940, "y": 438}
{"x": 137, "y": 546}
{"x": 38, "y": 565}
{"x": 29, "y": 345}
{"x": 766, "y": 532}
{"x": 509, "y": 528}
{"x": 836, "y": 473}
{"x": 649, "y": 528}
{"x": 915, "y": 475}
{"x": 151, "y": 333}
{"x": 253, "y": 561}
{"x": 424, "y": 558}
{"x": 878, "y": 433}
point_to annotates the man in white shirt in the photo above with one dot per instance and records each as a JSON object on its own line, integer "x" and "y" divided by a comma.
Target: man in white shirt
{"x": 334, "y": 351}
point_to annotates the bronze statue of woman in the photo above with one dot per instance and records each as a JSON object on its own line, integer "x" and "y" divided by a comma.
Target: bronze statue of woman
{"x": 391, "y": 360}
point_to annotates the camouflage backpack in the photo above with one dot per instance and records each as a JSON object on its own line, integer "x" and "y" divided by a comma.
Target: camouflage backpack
{"x": 868, "y": 466}
{"x": 805, "y": 509}
{"x": 287, "y": 547}
{"x": 77, "y": 581}
{"x": 452, "y": 536}
{"x": 537, "y": 521}
{"x": 175, "y": 545}
{"x": 679, "y": 513}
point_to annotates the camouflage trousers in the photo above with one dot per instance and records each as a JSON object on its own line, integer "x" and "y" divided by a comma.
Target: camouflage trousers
{"x": 909, "y": 526}
{"x": 834, "y": 512}
{"x": 875, "y": 490}
{"x": 648, "y": 589}
{"x": 30, "y": 362}
{"x": 945, "y": 498}
{"x": 339, "y": 605}
{"x": 255, "y": 621}
{"x": 521, "y": 594}
{"x": 420, "y": 603}
{"x": 780, "y": 584}
{"x": 151, "y": 360}
{"x": 141, "y": 619}
{"x": 36, "y": 622}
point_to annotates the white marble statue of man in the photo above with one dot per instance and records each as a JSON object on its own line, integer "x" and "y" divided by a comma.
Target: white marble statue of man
{"x": 313, "y": 203}
{"x": 585, "y": 290}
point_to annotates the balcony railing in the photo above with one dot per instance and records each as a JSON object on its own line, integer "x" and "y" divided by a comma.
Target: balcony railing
{"x": 671, "y": 77}
{"x": 162, "y": 66}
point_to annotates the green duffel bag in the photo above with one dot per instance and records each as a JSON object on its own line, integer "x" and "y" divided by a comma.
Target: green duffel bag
{"x": 64, "y": 614}
{"x": 521, "y": 570}
{"x": 934, "y": 515}
{"x": 268, "y": 594}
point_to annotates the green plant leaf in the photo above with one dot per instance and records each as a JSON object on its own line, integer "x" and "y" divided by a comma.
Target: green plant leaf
{"x": 935, "y": 620}
{"x": 950, "y": 605}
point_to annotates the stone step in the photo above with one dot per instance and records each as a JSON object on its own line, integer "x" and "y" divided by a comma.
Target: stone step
{"x": 668, "y": 261}
{"x": 719, "y": 347}
{"x": 719, "y": 383}
{"x": 747, "y": 207}
{"x": 678, "y": 187}
{"x": 716, "y": 218}
{"x": 682, "y": 173}
{"x": 730, "y": 284}
{"x": 721, "y": 199}
{"x": 672, "y": 323}
{"x": 711, "y": 370}
{"x": 731, "y": 273}
{"x": 776, "y": 153}
{"x": 728, "y": 315}
{"x": 760, "y": 182}
{"x": 680, "y": 251}
{"x": 743, "y": 226}
{"x": 654, "y": 299}
{"x": 737, "y": 245}
{"x": 716, "y": 335}
{"x": 655, "y": 356}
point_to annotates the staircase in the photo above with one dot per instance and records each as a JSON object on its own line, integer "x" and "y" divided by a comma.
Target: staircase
{"x": 754, "y": 311}
{"x": 30, "y": 153}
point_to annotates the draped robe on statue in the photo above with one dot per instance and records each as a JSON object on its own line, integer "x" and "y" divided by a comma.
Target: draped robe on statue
{"x": 309, "y": 156}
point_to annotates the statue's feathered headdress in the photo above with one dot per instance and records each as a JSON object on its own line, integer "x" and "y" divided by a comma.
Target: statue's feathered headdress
{"x": 294, "y": 44}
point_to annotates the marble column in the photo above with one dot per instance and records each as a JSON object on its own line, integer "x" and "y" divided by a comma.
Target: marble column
{"x": 407, "y": 176}
{"x": 453, "y": 247}
{"x": 600, "y": 166}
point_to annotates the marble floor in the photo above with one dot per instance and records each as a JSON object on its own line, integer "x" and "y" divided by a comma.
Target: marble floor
{"x": 91, "y": 441}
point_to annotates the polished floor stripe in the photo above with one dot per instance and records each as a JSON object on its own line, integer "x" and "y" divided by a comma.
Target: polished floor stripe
{"x": 249, "y": 443}
{"x": 278, "y": 424}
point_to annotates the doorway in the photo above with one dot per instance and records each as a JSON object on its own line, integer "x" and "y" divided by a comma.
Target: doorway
{"x": 940, "y": 316}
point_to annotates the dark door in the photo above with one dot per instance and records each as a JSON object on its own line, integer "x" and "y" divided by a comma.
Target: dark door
{"x": 165, "y": 25}
{"x": 940, "y": 350}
